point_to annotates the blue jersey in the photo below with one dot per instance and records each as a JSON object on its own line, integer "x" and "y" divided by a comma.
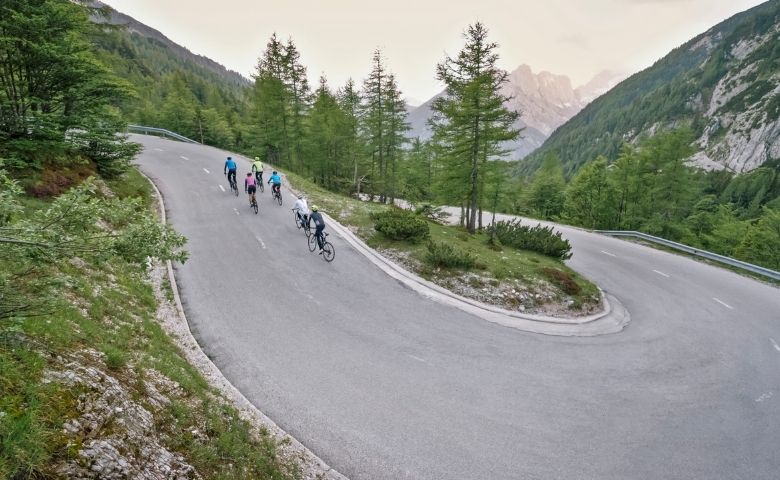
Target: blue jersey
{"x": 230, "y": 164}
{"x": 275, "y": 179}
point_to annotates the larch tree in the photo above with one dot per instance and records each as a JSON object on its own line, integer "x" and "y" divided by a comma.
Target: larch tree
{"x": 471, "y": 120}
{"x": 383, "y": 122}
{"x": 349, "y": 101}
{"x": 270, "y": 102}
{"x": 299, "y": 100}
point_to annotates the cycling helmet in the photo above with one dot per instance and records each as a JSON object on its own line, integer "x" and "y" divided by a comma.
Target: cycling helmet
{"x": 314, "y": 208}
{"x": 230, "y": 158}
{"x": 274, "y": 172}
{"x": 248, "y": 174}
{"x": 257, "y": 159}
{"x": 300, "y": 196}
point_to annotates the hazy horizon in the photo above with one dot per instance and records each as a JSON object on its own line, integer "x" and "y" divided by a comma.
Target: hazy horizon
{"x": 576, "y": 39}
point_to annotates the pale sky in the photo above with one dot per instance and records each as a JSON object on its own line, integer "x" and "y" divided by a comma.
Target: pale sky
{"x": 578, "y": 38}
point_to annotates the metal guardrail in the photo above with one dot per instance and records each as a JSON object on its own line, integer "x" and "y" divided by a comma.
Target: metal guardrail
{"x": 694, "y": 251}
{"x": 160, "y": 131}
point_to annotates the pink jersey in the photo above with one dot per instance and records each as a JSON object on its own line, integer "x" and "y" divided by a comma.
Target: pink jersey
{"x": 250, "y": 182}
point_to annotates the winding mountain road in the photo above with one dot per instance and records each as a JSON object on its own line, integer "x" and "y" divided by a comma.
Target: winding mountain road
{"x": 385, "y": 384}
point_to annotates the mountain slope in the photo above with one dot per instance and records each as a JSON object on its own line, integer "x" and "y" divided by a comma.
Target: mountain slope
{"x": 724, "y": 84}
{"x": 137, "y": 30}
{"x": 545, "y": 101}
{"x": 174, "y": 88}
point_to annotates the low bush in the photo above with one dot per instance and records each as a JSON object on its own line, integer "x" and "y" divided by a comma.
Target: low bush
{"x": 431, "y": 212}
{"x": 563, "y": 280}
{"x": 537, "y": 239}
{"x": 443, "y": 255}
{"x": 397, "y": 224}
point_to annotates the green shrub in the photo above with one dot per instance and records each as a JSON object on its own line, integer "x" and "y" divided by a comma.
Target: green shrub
{"x": 563, "y": 280}
{"x": 537, "y": 239}
{"x": 443, "y": 255}
{"x": 397, "y": 224}
{"x": 431, "y": 212}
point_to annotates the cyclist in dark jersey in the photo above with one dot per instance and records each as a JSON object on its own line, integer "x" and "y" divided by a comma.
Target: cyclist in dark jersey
{"x": 319, "y": 224}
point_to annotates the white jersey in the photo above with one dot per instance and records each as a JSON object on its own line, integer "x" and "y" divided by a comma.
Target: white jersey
{"x": 301, "y": 206}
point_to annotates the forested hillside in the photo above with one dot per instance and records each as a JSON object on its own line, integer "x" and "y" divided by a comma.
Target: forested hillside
{"x": 173, "y": 88}
{"x": 723, "y": 84}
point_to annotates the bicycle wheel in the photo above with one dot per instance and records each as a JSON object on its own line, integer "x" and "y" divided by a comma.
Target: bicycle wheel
{"x": 279, "y": 198}
{"x": 262, "y": 188}
{"x": 297, "y": 220}
{"x": 307, "y": 230}
{"x": 254, "y": 207}
{"x": 328, "y": 252}
{"x": 312, "y": 243}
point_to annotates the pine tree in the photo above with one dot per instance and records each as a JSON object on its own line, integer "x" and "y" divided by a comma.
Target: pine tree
{"x": 270, "y": 102}
{"x": 546, "y": 193}
{"x": 470, "y": 120}
{"x": 349, "y": 101}
{"x": 589, "y": 199}
{"x": 328, "y": 130}
{"x": 53, "y": 89}
{"x": 395, "y": 134}
{"x": 299, "y": 98}
{"x": 372, "y": 122}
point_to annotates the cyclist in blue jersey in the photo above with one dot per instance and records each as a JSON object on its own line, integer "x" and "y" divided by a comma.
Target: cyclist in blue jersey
{"x": 230, "y": 170}
{"x": 276, "y": 183}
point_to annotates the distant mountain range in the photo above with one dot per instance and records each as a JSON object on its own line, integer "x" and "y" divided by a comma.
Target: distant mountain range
{"x": 545, "y": 101}
{"x": 724, "y": 84}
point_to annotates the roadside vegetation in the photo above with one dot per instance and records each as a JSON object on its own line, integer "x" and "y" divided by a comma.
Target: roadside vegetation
{"x": 91, "y": 386}
{"x": 532, "y": 278}
{"x": 80, "y": 343}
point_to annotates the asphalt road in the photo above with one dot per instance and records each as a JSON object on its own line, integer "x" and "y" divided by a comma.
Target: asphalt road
{"x": 384, "y": 384}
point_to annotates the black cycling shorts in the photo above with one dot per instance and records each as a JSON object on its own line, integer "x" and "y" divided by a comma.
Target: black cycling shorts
{"x": 251, "y": 189}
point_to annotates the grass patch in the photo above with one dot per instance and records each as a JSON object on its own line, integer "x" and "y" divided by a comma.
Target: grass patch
{"x": 132, "y": 184}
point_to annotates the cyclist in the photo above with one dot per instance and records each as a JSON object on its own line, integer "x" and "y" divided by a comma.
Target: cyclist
{"x": 257, "y": 167}
{"x": 250, "y": 187}
{"x": 319, "y": 223}
{"x": 230, "y": 170}
{"x": 302, "y": 209}
{"x": 276, "y": 180}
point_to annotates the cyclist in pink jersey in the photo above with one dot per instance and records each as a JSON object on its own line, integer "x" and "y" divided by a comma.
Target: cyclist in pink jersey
{"x": 250, "y": 187}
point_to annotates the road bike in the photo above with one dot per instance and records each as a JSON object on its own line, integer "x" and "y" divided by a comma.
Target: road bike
{"x": 259, "y": 177}
{"x": 300, "y": 223}
{"x": 253, "y": 203}
{"x": 328, "y": 252}
{"x": 277, "y": 194}
{"x": 233, "y": 186}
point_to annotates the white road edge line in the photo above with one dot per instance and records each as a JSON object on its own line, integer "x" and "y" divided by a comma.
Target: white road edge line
{"x": 260, "y": 240}
{"x": 183, "y": 157}
{"x": 723, "y": 303}
{"x": 607, "y": 253}
{"x": 206, "y": 171}
{"x": 221, "y": 188}
{"x": 159, "y": 149}
{"x": 774, "y": 344}
{"x": 237, "y": 212}
{"x": 661, "y": 273}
